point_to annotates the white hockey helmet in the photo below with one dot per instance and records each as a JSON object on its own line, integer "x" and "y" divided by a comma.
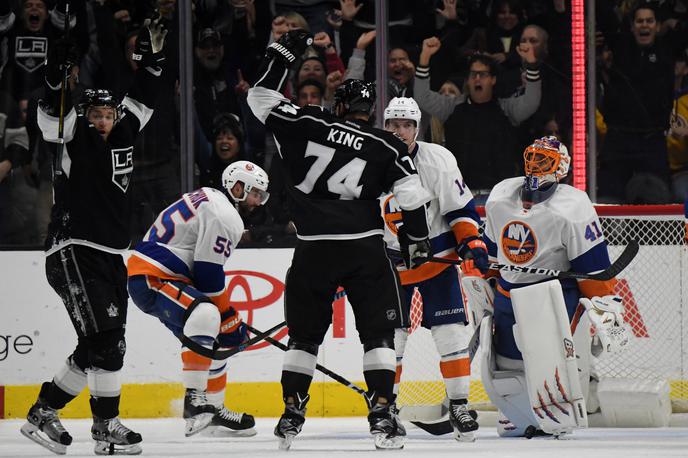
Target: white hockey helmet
{"x": 253, "y": 177}
{"x": 403, "y": 108}
{"x": 547, "y": 160}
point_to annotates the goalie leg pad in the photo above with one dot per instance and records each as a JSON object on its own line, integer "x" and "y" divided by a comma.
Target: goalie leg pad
{"x": 582, "y": 341}
{"x": 543, "y": 335}
{"x": 505, "y": 388}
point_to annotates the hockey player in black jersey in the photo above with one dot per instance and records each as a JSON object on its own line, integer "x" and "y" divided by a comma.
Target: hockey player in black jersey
{"x": 335, "y": 169}
{"x": 88, "y": 232}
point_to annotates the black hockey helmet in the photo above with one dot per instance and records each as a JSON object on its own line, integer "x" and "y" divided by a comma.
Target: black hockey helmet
{"x": 356, "y": 96}
{"x": 99, "y": 98}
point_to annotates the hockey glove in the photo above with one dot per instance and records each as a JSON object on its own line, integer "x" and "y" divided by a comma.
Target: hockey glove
{"x": 474, "y": 249}
{"x": 290, "y": 46}
{"x": 232, "y": 329}
{"x": 149, "y": 44}
{"x": 605, "y": 314}
{"x": 414, "y": 252}
{"x": 62, "y": 56}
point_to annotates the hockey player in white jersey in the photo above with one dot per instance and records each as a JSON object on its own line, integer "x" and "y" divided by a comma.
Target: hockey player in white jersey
{"x": 453, "y": 223}
{"x": 177, "y": 275}
{"x": 537, "y": 221}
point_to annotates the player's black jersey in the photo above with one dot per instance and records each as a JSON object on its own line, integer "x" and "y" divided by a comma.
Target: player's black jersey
{"x": 336, "y": 169}
{"x": 91, "y": 201}
{"x": 337, "y": 173}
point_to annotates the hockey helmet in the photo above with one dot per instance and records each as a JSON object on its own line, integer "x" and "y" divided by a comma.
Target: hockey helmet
{"x": 355, "y": 96}
{"x": 547, "y": 160}
{"x": 253, "y": 177}
{"x": 403, "y": 108}
{"x": 99, "y": 98}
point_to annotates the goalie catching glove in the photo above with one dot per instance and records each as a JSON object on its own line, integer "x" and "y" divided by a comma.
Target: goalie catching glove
{"x": 605, "y": 314}
{"x": 149, "y": 44}
{"x": 290, "y": 46}
{"x": 233, "y": 331}
{"x": 414, "y": 252}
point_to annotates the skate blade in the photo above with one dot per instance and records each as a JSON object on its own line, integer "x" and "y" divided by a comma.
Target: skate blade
{"x": 382, "y": 442}
{"x": 220, "y": 431}
{"x": 464, "y": 437}
{"x": 197, "y": 424}
{"x": 32, "y": 432}
{"x": 108, "y": 448}
{"x": 284, "y": 443}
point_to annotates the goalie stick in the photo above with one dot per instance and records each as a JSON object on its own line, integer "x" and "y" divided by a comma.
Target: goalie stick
{"x": 436, "y": 429}
{"x": 610, "y": 272}
{"x": 216, "y": 354}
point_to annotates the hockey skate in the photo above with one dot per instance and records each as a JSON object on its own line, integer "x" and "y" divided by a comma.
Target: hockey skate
{"x": 463, "y": 421}
{"x": 113, "y": 438}
{"x": 291, "y": 421}
{"x": 198, "y": 413}
{"x": 385, "y": 425}
{"x": 227, "y": 423}
{"x": 44, "y": 428}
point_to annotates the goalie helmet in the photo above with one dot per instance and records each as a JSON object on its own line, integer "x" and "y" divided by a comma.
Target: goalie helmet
{"x": 99, "y": 98}
{"x": 547, "y": 161}
{"x": 253, "y": 177}
{"x": 403, "y": 108}
{"x": 355, "y": 96}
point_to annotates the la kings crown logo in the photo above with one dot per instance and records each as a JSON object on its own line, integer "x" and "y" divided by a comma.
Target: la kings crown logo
{"x": 122, "y": 166}
{"x": 30, "y": 52}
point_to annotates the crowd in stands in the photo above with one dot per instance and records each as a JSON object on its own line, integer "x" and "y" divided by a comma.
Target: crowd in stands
{"x": 488, "y": 75}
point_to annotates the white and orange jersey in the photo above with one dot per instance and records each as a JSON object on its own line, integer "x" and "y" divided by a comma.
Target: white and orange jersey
{"x": 451, "y": 213}
{"x": 191, "y": 241}
{"x": 563, "y": 233}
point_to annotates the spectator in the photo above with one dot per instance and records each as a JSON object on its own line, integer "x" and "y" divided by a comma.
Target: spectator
{"x": 213, "y": 83}
{"x": 309, "y": 92}
{"x": 17, "y": 193}
{"x": 677, "y": 138}
{"x": 636, "y": 107}
{"x": 481, "y": 128}
{"x": 556, "y": 98}
{"x": 227, "y": 147}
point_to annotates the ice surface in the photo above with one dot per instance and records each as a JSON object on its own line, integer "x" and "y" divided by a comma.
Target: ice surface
{"x": 340, "y": 437}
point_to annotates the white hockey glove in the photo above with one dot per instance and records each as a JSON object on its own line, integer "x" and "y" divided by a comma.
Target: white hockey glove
{"x": 606, "y": 314}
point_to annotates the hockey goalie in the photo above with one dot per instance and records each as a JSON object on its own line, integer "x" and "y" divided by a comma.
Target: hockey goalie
{"x": 537, "y": 341}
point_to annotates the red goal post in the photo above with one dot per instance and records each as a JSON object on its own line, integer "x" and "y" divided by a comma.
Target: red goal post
{"x": 654, "y": 288}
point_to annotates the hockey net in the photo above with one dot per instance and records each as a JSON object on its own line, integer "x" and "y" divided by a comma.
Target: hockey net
{"x": 653, "y": 288}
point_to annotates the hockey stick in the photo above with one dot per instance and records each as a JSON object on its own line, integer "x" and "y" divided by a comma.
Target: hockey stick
{"x": 435, "y": 429}
{"x": 610, "y": 272}
{"x": 334, "y": 376}
{"x": 57, "y": 165}
{"x": 216, "y": 354}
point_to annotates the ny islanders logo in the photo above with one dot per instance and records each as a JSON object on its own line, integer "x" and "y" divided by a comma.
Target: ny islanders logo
{"x": 391, "y": 212}
{"x": 519, "y": 244}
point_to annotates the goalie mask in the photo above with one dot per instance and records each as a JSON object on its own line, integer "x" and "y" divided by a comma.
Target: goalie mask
{"x": 355, "y": 96}
{"x": 547, "y": 162}
{"x": 253, "y": 177}
{"x": 403, "y": 108}
{"x": 99, "y": 98}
